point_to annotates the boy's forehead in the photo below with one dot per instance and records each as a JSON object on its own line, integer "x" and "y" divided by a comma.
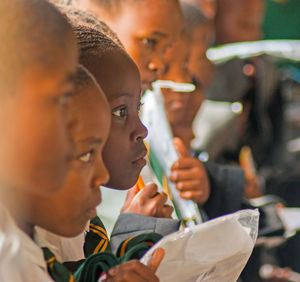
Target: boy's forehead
{"x": 149, "y": 17}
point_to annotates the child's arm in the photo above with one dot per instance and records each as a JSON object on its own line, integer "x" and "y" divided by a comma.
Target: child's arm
{"x": 190, "y": 176}
{"x": 134, "y": 271}
{"x": 148, "y": 202}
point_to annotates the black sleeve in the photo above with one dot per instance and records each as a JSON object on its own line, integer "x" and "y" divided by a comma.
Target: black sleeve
{"x": 227, "y": 189}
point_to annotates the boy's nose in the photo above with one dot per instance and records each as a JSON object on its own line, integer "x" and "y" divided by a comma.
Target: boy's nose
{"x": 142, "y": 132}
{"x": 102, "y": 176}
{"x": 156, "y": 66}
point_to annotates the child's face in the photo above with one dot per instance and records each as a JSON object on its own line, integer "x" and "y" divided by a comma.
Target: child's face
{"x": 176, "y": 58}
{"x": 34, "y": 144}
{"x": 240, "y": 21}
{"x": 198, "y": 64}
{"x": 67, "y": 212}
{"x": 147, "y": 28}
{"x": 124, "y": 151}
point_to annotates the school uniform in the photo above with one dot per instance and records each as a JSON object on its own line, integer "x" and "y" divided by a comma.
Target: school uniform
{"x": 98, "y": 256}
{"x": 64, "y": 248}
{"x": 58, "y": 250}
{"x": 93, "y": 239}
{"x": 10, "y": 248}
{"x": 72, "y": 249}
{"x": 21, "y": 259}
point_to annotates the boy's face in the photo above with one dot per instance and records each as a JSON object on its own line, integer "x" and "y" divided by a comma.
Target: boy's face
{"x": 35, "y": 146}
{"x": 198, "y": 64}
{"x": 240, "y": 21}
{"x": 124, "y": 151}
{"x": 67, "y": 212}
{"x": 176, "y": 58}
{"x": 147, "y": 28}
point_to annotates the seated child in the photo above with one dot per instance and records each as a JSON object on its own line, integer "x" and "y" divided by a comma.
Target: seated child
{"x": 66, "y": 213}
{"x": 76, "y": 202}
{"x": 119, "y": 77}
{"x": 188, "y": 173}
{"x": 149, "y": 196}
{"x": 222, "y": 181}
{"x": 148, "y": 201}
{"x": 145, "y": 45}
{"x": 35, "y": 146}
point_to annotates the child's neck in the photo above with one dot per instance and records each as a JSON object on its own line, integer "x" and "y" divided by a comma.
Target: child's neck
{"x": 18, "y": 208}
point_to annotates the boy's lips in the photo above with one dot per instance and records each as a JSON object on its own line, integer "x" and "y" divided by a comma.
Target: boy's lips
{"x": 140, "y": 159}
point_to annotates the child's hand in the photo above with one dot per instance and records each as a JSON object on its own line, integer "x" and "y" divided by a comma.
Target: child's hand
{"x": 134, "y": 271}
{"x": 190, "y": 176}
{"x": 147, "y": 202}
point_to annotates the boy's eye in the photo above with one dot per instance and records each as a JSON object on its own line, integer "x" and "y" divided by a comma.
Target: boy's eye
{"x": 85, "y": 158}
{"x": 149, "y": 42}
{"x": 120, "y": 112}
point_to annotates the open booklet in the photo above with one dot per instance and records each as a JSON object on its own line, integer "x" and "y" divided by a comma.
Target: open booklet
{"x": 216, "y": 250}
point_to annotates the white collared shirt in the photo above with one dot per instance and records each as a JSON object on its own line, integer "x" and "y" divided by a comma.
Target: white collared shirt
{"x": 21, "y": 259}
{"x": 65, "y": 249}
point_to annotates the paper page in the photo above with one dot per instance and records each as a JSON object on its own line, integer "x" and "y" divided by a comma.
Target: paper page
{"x": 216, "y": 250}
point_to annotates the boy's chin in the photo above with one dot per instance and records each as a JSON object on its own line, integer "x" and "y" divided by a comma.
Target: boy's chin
{"x": 122, "y": 185}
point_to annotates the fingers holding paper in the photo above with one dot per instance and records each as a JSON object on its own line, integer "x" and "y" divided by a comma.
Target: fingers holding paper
{"x": 148, "y": 202}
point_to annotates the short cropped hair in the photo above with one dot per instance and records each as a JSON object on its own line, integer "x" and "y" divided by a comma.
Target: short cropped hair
{"x": 110, "y": 7}
{"x": 94, "y": 41}
{"x": 79, "y": 17}
{"x": 94, "y": 44}
{"x": 83, "y": 78}
{"x": 193, "y": 16}
{"x": 30, "y": 31}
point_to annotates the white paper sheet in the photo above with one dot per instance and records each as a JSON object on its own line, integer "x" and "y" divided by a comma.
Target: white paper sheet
{"x": 216, "y": 250}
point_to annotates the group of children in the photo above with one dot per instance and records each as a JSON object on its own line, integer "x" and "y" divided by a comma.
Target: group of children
{"x": 56, "y": 122}
{"x": 71, "y": 100}
{"x": 72, "y": 76}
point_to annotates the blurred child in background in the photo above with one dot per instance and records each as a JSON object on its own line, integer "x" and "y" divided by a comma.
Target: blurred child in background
{"x": 35, "y": 81}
